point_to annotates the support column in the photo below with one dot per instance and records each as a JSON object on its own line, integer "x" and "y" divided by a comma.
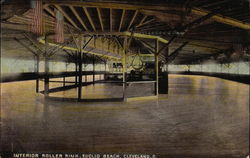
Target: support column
{"x": 80, "y": 76}
{"x": 156, "y": 66}
{"x": 86, "y": 76}
{"x": 37, "y": 71}
{"x": 163, "y": 76}
{"x": 46, "y": 78}
{"x": 166, "y": 74}
{"x": 76, "y": 69}
{"x": 124, "y": 66}
{"x": 105, "y": 70}
{"x": 80, "y": 69}
{"x": 93, "y": 69}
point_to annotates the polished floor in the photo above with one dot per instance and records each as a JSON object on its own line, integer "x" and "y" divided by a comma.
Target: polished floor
{"x": 201, "y": 116}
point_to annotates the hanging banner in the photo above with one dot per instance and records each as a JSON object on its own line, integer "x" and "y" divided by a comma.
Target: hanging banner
{"x": 37, "y": 18}
{"x": 59, "y": 28}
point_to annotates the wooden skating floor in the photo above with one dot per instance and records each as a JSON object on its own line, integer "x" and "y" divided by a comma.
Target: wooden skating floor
{"x": 201, "y": 116}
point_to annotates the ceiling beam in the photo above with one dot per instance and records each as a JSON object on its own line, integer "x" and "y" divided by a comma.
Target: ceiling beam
{"x": 26, "y": 46}
{"x": 49, "y": 11}
{"x": 139, "y": 35}
{"x": 100, "y": 17}
{"x": 223, "y": 19}
{"x": 146, "y": 22}
{"x": 122, "y": 17}
{"x": 41, "y": 40}
{"x": 115, "y": 5}
{"x": 132, "y": 20}
{"x": 142, "y": 20}
{"x": 89, "y": 18}
{"x": 52, "y": 13}
{"x": 34, "y": 43}
{"x": 78, "y": 17}
{"x": 67, "y": 16}
{"x": 126, "y": 33}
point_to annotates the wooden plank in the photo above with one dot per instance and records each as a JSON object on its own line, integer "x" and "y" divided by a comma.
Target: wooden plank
{"x": 34, "y": 42}
{"x": 100, "y": 17}
{"x": 78, "y": 17}
{"x": 115, "y": 5}
{"x": 37, "y": 71}
{"x": 67, "y": 16}
{"x": 49, "y": 11}
{"x": 52, "y": 13}
{"x": 223, "y": 19}
{"x": 122, "y": 17}
{"x": 146, "y": 22}
{"x": 132, "y": 20}
{"x": 124, "y": 67}
{"x": 139, "y": 35}
{"x": 84, "y": 51}
{"x": 46, "y": 68}
{"x": 156, "y": 67}
{"x": 142, "y": 20}
{"x": 89, "y": 18}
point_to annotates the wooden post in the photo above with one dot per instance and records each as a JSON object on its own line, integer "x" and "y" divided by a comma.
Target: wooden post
{"x": 167, "y": 52}
{"x": 76, "y": 61}
{"x": 124, "y": 67}
{"x": 93, "y": 69}
{"x": 105, "y": 70}
{"x": 80, "y": 71}
{"x": 156, "y": 67}
{"x": 46, "y": 79}
{"x": 37, "y": 71}
{"x": 86, "y": 76}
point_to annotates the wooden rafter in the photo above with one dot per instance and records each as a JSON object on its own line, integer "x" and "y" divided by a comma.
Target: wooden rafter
{"x": 223, "y": 19}
{"x": 49, "y": 11}
{"x": 67, "y": 16}
{"x": 100, "y": 18}
{"x": 41, "y": 40}
{"x": 78, "y": 17}
{"x": 155, "y": 26}
{"x": 142, "y": 20}
{"x": 89, "y": 18}
{"x": 52, "y": 13}
{"x": 26, "y": 46}
{"x": 146, "y": 22}
{"x": 132, "y": 20}
{"x": 34, "y": 43}
{"x": 122, "y": 17}
{"x": 114, "y": 5}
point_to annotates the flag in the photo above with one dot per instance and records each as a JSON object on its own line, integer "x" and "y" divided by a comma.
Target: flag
{"x": 59, "y": 28}
{"x": 37, "y": 18}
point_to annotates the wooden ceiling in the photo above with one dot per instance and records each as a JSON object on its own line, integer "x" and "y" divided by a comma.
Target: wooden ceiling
{"x": 212, "y": 28}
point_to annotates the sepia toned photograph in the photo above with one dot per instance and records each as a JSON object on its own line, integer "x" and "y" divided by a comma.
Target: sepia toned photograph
{"x": 125, "y": 78}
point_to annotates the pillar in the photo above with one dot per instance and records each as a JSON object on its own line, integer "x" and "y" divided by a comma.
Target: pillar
{"x": 37, "y": 71}
{"x": 80, "y": 76}
{"x": 124, "y": 67}
{"x": 105, "y": 69}
{"x": 46, "y": 78}
{"x": 63, "y": 80}
{"x": 93, "y": 69}
{"x": 76, "y": 61}
{"x": 80, "y": 70}
{"x": 166, "y": 72}
{"x": 163, "y": 77}
{"x": 156, "y": 66}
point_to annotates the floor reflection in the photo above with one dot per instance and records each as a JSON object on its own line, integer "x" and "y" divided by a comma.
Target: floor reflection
{"x": 200, "y": 116}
